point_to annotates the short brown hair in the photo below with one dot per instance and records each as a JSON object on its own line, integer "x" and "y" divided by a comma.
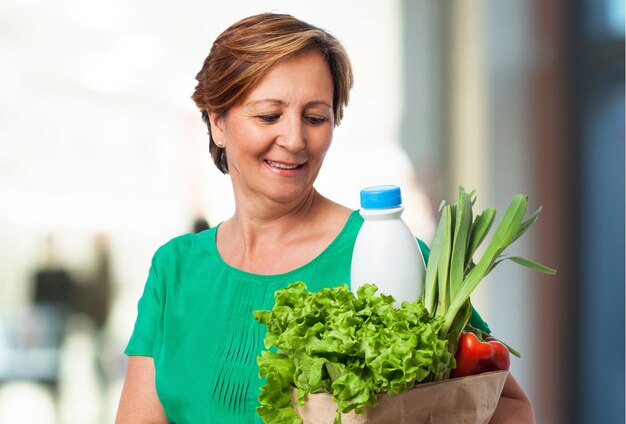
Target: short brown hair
{"x": 245, "y": 52}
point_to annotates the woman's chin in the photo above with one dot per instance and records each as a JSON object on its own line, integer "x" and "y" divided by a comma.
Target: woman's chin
{"x": 290, "y": 194}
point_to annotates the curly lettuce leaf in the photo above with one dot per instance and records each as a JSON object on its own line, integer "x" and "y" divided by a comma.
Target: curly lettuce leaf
{"x": 354, "y": 347}
{"x": 275, "y": 397}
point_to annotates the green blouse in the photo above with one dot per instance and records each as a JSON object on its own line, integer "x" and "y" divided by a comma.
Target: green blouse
{"x": 195, "y": 319}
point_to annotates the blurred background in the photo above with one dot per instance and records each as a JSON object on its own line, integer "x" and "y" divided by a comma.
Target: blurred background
{"x": 103, "y": 158}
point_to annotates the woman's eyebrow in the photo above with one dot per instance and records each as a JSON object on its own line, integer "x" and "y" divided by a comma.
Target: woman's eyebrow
{"x": 318, "y": 103}
{"x": 272, "y": 102}
{"x": 278, "y": 102}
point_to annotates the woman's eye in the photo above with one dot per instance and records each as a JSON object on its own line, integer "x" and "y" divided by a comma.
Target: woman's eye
{"x": 269, "y": 119}
{"x": 314, "y": 119}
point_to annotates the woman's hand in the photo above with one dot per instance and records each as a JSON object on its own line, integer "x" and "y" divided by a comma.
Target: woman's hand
{"x": 514, "y": 406}
{"x": 139, "y": 403}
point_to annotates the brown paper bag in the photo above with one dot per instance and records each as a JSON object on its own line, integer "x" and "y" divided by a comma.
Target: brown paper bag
{"x": 467, "y": 400}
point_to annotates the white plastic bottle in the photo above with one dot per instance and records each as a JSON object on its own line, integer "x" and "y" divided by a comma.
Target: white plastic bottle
{"x": 386, "y": 252}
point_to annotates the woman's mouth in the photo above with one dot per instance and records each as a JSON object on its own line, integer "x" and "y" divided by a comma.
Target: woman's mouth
{"x": 281, "y": 165}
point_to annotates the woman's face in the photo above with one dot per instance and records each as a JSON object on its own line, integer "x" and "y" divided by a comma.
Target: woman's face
{"x": 277, "y": 136}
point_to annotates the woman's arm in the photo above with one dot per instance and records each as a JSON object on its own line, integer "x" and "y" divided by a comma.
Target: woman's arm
{"x": 139, "y": 403}
{"x": 514, "y": 406}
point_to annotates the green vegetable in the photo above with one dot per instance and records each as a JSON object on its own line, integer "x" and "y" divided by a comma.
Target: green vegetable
{"x": 451, "y": 272}
{"x": 353, "y": 347}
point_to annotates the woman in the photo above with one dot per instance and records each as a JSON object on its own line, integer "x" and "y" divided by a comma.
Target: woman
{"x": 271, "y": 92}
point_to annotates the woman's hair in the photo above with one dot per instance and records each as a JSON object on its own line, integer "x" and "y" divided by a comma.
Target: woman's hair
{"x": 243, "y": 54}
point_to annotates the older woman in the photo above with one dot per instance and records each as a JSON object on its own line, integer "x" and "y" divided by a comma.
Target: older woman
{"x": 271, "y": 92}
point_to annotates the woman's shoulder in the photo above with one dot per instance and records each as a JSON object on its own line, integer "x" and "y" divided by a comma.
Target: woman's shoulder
{"x": 186, "y": 245}
{"x": 333, "y": 216}
{"x": 334, "y": 221}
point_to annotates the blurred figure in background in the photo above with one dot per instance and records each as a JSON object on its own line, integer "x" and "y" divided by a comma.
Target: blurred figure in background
{"x": 52, "y": 281}
{"x": 200, "y": 224}
{"x": 59, "y": 339}
{"x": 42, "y": 330}
{"x": 92, "y": 300}
{"x": 32, "y": 337}
{"x": 93, "y": 297}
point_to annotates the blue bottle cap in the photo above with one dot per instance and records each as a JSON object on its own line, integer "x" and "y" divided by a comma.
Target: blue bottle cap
{"x": 381, "y": 197}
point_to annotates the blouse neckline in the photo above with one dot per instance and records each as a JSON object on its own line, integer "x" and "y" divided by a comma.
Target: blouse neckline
{"x": 350, "y": 222}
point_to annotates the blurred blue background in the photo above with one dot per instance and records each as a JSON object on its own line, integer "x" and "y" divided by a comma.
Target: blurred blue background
{"x": 103, "y": 157}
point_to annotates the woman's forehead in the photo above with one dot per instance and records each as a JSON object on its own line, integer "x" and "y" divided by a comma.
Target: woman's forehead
{"x": 304, "y": 78}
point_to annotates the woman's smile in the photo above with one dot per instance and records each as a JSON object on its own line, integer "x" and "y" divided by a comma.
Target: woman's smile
{"x": 284, "y": 169}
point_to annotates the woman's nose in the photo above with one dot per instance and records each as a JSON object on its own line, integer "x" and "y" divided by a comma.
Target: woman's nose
{"x": 292, "y": 135}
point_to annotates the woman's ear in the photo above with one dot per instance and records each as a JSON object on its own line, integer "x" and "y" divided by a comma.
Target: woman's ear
{"x": 217, "y": 127}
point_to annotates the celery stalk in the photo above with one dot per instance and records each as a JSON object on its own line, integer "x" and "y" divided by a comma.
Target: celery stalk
{"x": 505, "y": 234}
{"x": 443, "y": 266}
{"x": 462, "y": 227}
{"x": 480, "y": 228}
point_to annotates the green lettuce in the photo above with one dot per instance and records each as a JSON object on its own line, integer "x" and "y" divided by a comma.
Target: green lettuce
{"x": 353, "y": 347}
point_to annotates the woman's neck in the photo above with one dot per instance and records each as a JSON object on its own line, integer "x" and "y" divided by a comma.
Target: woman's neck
{"x": 253, "y": 216}
{"x": 282, "y": 239}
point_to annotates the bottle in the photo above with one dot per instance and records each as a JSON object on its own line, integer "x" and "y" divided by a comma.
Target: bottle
{"x": 386, "y": 253}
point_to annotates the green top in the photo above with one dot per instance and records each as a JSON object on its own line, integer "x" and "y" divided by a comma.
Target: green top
{"x": 195, "y": 319}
